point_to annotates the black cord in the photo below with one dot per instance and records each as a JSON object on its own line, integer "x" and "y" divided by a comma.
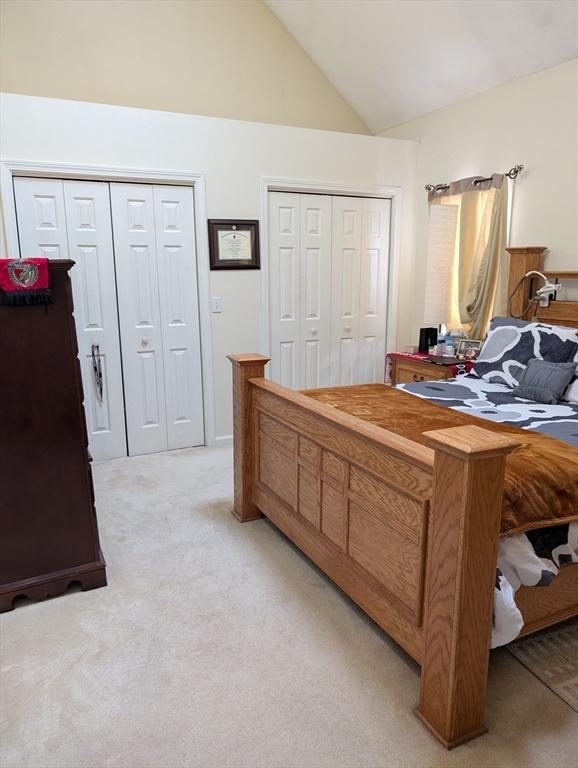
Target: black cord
{"x": 532, "y": 301}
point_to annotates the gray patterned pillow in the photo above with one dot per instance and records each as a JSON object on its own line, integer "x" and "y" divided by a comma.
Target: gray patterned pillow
{"x": 511, "y": 344}
{"x": 544, "y": 382}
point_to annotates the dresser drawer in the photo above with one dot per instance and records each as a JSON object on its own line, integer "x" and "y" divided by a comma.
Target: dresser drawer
{"x": 408, "y": 371}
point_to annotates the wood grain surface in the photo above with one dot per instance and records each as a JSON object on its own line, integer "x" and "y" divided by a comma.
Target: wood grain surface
{"x": 48, "y": 525}
{"x": 460, "y": 576}
{"x": 409, "y": 531}
{"x": 245, "y": 367}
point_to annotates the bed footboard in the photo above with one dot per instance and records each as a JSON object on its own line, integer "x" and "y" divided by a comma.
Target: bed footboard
{"x": 409, "y": 532}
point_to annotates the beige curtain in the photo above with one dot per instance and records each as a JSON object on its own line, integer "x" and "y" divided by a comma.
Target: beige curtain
{"x": 479, "y": 276}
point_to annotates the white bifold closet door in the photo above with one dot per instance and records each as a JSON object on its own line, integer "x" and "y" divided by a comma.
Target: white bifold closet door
{"x": 158, "y": 311}
{"x": 329, "y": 262}
{"x": 300, "y": 264}
{"x": 136, "y": 304}
{"x": 359, "y": 277}
{"x": 71, "y": 219}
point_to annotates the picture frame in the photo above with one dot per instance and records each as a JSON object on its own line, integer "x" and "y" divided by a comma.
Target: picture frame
{"x": 469, "y": 348}
{"x": 234, "y": 244}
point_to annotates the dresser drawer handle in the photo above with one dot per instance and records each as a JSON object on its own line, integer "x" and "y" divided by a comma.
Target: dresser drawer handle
{"x": 416, "y": 377}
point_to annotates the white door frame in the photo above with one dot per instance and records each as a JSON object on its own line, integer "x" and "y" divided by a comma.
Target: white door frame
{"x": 11, "y": 168}
{"x": 277, "y": 184}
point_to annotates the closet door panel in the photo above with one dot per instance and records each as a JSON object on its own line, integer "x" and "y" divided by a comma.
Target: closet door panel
{"x": 314, "y": 290}
{"x": 284, "y": 258}
{"x": 94, "y": 289}
{"x": 71, "y": 219}
{"x": 331, "y": 329}
{"x": 140, "y": 316}
{"x": 345, "y": 283}
{"x": 41, "y": 218}
{"x": 177, "y": 276}
{"x": 374, "y": 269}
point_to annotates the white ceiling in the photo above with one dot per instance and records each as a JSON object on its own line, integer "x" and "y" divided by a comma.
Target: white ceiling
{"x": 393, "y": 60}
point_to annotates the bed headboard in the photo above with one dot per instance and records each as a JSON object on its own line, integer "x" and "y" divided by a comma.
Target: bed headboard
{"x": 529, "y": 258}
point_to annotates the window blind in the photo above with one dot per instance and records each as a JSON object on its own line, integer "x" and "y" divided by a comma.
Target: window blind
{"x": 441, "y": 244}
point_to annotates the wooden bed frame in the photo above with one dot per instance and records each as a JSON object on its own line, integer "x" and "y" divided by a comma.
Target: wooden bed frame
{"x": 409, "y": 532}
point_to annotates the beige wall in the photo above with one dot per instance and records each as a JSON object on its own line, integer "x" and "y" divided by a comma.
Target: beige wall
{"x": 533, "y": 121}
{"x": 227, "y": 59}
{"x": 233, "y": 156}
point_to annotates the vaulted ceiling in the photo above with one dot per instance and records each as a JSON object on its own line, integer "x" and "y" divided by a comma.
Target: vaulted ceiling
{"x": 394, "y": 60}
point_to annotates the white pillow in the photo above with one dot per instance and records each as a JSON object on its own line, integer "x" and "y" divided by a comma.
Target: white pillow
{"x": 571, "y": 393}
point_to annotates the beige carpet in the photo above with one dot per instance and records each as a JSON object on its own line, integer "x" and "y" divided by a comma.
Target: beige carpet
{"x": 219, "y": 645}
{"x": 552, "y": 655}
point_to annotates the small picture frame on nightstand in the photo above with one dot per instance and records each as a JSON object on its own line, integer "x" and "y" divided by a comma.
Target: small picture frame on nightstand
{"x": 469, "y": 348}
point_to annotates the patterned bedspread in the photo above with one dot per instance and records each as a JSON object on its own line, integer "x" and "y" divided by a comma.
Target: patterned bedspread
{"x": 495, "y": 402}
{"x": 532, "y": 558}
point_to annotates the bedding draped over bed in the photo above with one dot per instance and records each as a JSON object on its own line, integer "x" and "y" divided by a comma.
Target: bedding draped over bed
{"x": 541, "y": 484}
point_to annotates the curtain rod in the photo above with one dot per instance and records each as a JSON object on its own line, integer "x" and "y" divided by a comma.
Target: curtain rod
{"x": 511, "y": 174}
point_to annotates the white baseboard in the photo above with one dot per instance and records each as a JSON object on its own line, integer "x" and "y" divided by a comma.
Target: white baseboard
{"x": 224, "y": 440}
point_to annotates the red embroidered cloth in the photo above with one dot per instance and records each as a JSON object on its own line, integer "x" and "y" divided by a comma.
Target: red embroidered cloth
{"x": 24, "y": 281}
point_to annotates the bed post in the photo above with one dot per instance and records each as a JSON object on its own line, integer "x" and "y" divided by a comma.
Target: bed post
{"x": 245, "y": 367}
{"x": 522, "y": 260}
{"x": 468, "y": 486}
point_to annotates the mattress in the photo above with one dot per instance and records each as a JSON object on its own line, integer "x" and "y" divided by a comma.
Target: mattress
{"x": 535, "y": 557}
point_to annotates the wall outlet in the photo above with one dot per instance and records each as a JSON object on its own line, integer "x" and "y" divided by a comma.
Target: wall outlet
{"x": 215, "y": 303}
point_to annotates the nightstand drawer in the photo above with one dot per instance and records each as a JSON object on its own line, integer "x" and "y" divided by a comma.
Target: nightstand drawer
{"x": 409, "y": 371}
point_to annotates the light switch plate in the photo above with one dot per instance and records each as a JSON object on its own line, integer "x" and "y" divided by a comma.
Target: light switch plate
{"x": 215, "y": 303}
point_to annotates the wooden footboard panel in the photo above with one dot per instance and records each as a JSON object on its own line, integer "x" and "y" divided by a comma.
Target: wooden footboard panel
{"x": 543, "y": 606}
{"x": 357, "y": 508}
{"x": 354, "y": 581}
{"x": 410, "y": 533}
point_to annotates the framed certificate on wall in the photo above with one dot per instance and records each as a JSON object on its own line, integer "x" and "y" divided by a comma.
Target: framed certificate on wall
{"x": 234, "y": 244}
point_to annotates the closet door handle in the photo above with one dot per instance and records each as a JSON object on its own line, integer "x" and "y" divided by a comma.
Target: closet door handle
{"x": 144, "y": 342}
{"x": 347, "y": 329}
{"x": 314, "y": 331}
{"x": 97, "y": 370}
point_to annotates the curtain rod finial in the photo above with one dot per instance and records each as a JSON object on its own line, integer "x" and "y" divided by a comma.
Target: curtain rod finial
{"x": 513, "y": 172}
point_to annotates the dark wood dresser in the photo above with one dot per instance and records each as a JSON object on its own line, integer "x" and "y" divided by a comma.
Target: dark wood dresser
{"x": 48, "y": 527}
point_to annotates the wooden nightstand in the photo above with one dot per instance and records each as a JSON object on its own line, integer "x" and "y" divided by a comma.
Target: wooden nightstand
{"x": 406, "y": 369}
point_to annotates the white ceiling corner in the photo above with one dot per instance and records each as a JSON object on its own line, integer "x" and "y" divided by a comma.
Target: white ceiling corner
{"x": 394, "y": 60}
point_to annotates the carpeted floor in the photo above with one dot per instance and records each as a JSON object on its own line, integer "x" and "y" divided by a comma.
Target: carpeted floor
{"x": 552, "y": 655}
{"x": 219, "y": 645}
